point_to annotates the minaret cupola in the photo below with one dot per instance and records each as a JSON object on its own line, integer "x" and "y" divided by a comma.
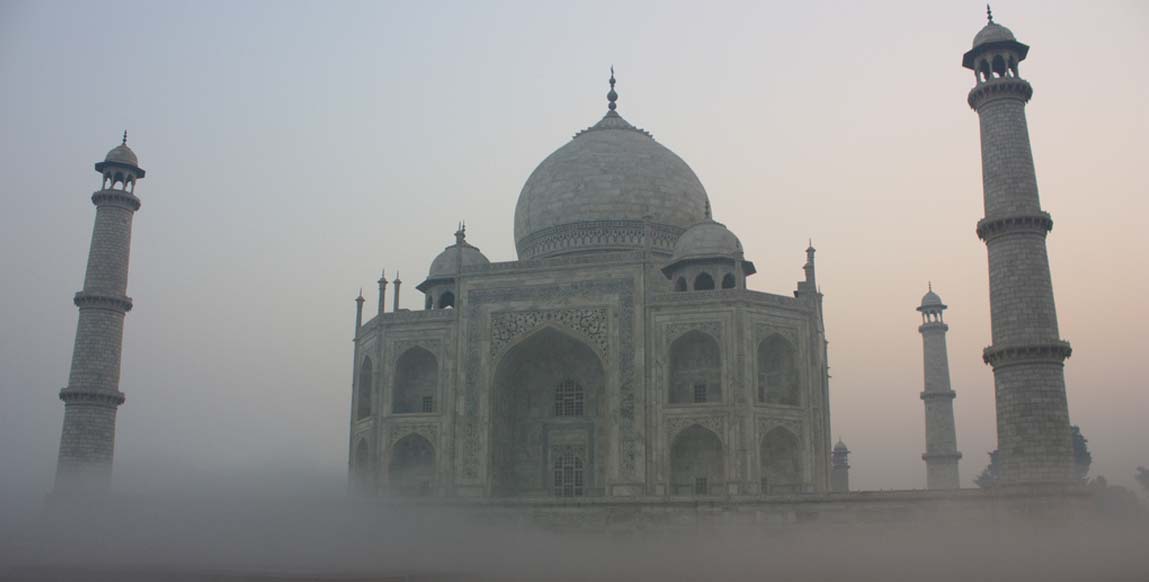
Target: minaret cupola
{"x": 120, "y": 168}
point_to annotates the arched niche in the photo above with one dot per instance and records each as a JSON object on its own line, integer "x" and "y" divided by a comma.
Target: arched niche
{"x": 703, "y": 282}
{"x": 779, "y": 380}
{"x": 416, "y": 379}
{"x": 695, "y": 369}
{"x": 361, "y": 467}
{"x": 363, "y": 398}
{"x": 696, "y": 463}
{"x": 729, "y": 281}
{"x": 411, "y": 470}
{"x": 680, "y": 284}
{"x": 534, "y": 418}
{"x": 447, "y": 299}
{"x": 781, "y": 462}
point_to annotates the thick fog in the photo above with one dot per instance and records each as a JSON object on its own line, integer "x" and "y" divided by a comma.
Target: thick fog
{"x": 295, "y": 149}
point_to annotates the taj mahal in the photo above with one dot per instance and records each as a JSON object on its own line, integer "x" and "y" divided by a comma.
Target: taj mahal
{"x": 621, "y": 355}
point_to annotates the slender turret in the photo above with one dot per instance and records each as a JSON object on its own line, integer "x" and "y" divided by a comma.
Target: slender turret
{"x": 1027, "y": 354}
{"x": 941, "y": 454}
{"x": 93, "y": 395}
{"x": 840, "y": 468}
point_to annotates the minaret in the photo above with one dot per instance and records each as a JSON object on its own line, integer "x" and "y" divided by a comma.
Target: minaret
{"x": 92, "y": 395}
{"x": 840, "y": 468}
{"x": 382, "y": 293}
{"x": 1027, "y": 354}
{"x": 398, "y": 282}
{"x": 941, "y": 454}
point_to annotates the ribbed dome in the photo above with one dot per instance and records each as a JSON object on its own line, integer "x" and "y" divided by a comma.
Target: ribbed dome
{"x": 931, "y": 299}
{"x": 122, "y": 154}
{"x": 609, "y": 188}
{"x": 455, "y": 257}
{"x": 992, "y": 32}
{"x": 707, "y": 239}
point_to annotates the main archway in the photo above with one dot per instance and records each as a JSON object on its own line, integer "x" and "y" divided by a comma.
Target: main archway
{"x": 548, "y": 399}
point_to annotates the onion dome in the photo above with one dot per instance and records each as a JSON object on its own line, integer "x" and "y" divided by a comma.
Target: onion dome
{"x": 121, "y": 156}
{"x": 931, "y": 301}
{"x": 708, "y": 241}
{"x": 993, "y": 36}
{"x": 993, "y": 32}
{"x": 612, "y": 187}
{"x": 454, "y": 259}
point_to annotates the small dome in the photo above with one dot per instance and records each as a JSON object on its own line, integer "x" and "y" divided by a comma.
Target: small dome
{"x": 992, "y": 32}
{"x": 455, "y": 257}
{"x": 122, "y": 154}
{"x": 707, "y": 239}
{"x": 931, "y": 300}
{"x": 841, "y": 446}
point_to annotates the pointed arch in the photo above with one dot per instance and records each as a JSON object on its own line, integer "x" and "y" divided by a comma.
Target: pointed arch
{"x": 680, "y": 284}
{"x": 728, "y": 281}
{"x": 447, "y": 299}
{"x": 361, "y": 467}
{"x": 695, "y": 369}
{"x": 548, "y": 398}
{"x": 781, "y": 462}
{"x": 779, "y": 379}
{"x": 697, "y": 464}
{"x": 416, "y": 380}
{"x": 365, "y": 389}
{"x": 411, "y": 470}
{"x": 703, "y": 282}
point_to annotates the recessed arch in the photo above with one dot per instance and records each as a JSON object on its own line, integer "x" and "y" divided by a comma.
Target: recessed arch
{"x": 697, "y": 466}
{"x": 536, "y": 383}
{"x": 446, "y": 299}
{"x": 779, "y": 380}
{"x": 728, "y": 281}
{"x": 361, "y": 467}
{"x": 703, "y": 282}
{"x": 781, "y": 462}
{"x": 695, "y": 369}
{"x": 365, "y": 385}
{"x": 411, "y": 470}
{"x": 680, "y": 284}
{"x": 416, "y": 379}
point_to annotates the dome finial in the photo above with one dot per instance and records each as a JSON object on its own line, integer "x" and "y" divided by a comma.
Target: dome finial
{"x": 612, "y": 97}
{"x": 989, "y": 13}
{"x": 461, "y": 234}
{"x": 125, "y": 140}
{"x": 930, "y": 285}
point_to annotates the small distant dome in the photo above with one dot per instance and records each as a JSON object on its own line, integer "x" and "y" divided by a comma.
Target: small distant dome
{"x": 992, "y": 32}
{"x": 931, "y": 301}
{"x": 122, "y": 154}
{"x": 707, "y": 239}
{"x": 841, "y": 446}
{"x": 455, "y": 257}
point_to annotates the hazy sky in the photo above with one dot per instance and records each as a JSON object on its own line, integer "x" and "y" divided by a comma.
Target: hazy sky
{"x": 294, "y": 149}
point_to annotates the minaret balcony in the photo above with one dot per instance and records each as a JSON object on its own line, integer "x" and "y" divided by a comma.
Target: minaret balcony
{"x": 1000, "y": 88}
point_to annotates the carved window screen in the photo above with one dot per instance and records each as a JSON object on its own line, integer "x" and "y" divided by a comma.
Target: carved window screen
{"x": 569, "y": 399}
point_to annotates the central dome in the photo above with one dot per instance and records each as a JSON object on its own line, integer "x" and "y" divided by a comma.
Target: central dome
{"x": 610, "y": 188}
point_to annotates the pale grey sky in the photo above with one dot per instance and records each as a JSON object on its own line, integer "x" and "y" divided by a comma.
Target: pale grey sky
{"x": 294, "y": 148}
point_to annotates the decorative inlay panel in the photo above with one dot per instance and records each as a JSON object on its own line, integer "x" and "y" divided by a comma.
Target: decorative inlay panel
{"x": 765, "y": 425}
{"x": 676, "y": 424}
{"x": 591, "y": 322}
{"x": 674, "y": 330}
{"x": 763, "y": 331}
{"x": 427, "y": 430}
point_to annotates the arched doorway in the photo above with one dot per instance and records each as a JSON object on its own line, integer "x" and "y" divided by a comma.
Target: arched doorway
{"x": 778, "y": 377}
{"x": 781, "y": 462}
{"x": 416, "y": 377}
{"x": 411, "y": 471}
{"x": 547, "y": 402}
{"x": 696, "y": 463}
{"x": 695, "y": 369}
